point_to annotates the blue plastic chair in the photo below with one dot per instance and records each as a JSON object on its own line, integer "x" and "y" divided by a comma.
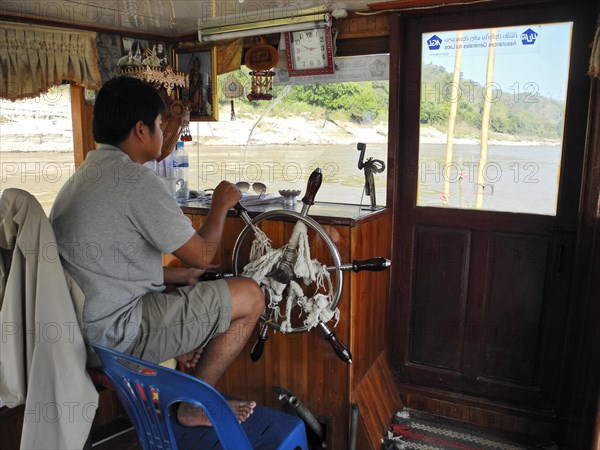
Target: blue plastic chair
{"x": 148, "y": 393}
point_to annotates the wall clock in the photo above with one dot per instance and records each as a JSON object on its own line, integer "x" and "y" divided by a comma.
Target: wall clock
{"x": 309, "y": 52}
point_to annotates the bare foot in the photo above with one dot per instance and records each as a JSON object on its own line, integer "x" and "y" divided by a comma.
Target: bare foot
{"x": 190, "y": 415}
{"x": 189, "y": 360}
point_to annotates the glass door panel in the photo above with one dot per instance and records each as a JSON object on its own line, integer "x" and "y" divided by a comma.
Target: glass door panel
{"x": 492, "y": 117}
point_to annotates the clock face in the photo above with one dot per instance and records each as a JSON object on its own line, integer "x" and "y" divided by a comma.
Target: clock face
{"x": 309, "y": 52}
{"x": 309, "y": 49}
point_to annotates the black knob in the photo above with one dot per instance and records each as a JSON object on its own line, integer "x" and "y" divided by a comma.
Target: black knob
{"x": 257, "y": 349}
{"x": 339, "y": 348}
{"x": 376, "y": 264}
{"x": 312, "y": 186}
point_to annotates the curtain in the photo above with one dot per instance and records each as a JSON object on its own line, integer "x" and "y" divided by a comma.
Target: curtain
{"x": 595, "y": 59}
{"x": 229, "y": 55}
{"x": 34, "y": 58}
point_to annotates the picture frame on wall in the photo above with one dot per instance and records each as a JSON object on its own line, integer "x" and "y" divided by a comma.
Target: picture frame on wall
{"x": 200, "y": 63}
{"x": 133, "y": 52}
{"x": 157, "y": 54}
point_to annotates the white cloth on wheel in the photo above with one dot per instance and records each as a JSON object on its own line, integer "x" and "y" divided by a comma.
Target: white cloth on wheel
{"x": 314, "y": 308}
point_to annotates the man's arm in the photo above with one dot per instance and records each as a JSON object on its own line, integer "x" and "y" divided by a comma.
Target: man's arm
{"x": 200, "y": 250}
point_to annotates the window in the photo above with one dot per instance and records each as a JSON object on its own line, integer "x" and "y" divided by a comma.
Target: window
{"x": 279, "y": 142}
{"x": 36, "y": 151}
{"x": 492, "y": 117}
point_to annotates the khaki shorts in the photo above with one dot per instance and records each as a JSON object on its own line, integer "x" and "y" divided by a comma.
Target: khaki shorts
{"x": 182, "y": 321}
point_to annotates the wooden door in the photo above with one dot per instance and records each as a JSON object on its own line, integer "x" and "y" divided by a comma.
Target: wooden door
{"x": 481, "y": 294}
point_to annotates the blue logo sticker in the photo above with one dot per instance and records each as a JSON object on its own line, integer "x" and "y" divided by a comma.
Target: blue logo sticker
{"x": 528, "y": 37}
{"x": 434, "y": 42}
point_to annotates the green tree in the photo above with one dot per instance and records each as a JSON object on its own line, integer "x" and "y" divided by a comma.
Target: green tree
{"x": 354, "y": 99}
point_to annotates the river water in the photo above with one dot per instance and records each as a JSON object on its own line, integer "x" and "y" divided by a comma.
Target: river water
{"x": 43, "y": 173}
{"x": 519, "y": 178}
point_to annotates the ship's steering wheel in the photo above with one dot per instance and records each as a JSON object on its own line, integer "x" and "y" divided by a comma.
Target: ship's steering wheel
{"x": 268, "y": 319}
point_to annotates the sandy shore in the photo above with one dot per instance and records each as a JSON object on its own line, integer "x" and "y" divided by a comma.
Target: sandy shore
{"x": 33, "y": 135}
{"x": 37, "y": 125}
{"x": 45, "y": 125}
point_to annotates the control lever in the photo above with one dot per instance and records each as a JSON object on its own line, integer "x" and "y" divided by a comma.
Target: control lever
{"x": 263, "y": 335}
{"x": 312, "y": 187}
{"x": 376, "y": 264}
{"x": 339, "y": 348}
{"x": 259, "y": 345}
{"x": 243, "y": 213}
{"x": 370, "y": 166}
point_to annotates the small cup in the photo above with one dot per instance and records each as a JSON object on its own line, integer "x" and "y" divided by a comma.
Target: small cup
{"x": 289, "y": 196}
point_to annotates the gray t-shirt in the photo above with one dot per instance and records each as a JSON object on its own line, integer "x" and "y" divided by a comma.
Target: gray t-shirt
{"x": 113, "y": 220}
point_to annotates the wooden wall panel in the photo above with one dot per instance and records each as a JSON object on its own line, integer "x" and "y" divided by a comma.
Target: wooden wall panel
{"x": 372, "y": 31}
{"x": 438, "y": 308}
{"x": 513, "y": 307}
{"x": 81, "y": 118}
{"x": 372, "y": 386}
{"x": 369, "y": 296}
{"x": 364, "y": 26}
{"x": 378, "y": 399}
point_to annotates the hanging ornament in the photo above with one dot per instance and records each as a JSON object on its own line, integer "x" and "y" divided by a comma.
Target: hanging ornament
{"x": 262, "y": 82}
{"x": 260, "y": 59}
{"x": 186, "y": 136}
{"x": 232, "y": 88}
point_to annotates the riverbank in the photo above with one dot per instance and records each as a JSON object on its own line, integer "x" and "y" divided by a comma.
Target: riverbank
{"x": 430, "y": 135}
{"x": 44, "y": 124}
{"x": 55, "y": 134}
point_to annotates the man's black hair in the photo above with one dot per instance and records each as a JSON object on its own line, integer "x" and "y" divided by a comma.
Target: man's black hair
{"x": 120, "y": 104}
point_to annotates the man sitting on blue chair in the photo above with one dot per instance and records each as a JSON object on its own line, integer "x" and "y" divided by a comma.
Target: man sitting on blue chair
{"x": 114, "y": 219}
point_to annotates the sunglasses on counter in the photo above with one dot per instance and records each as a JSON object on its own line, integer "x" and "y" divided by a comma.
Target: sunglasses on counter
{"x": 259, "y": 188}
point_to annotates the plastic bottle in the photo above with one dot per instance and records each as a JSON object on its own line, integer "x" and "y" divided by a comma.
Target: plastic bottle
{"x": 181, "y": 170}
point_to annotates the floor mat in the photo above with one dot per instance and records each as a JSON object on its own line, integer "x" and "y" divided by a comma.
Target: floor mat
{"x": 414, "y": 433}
